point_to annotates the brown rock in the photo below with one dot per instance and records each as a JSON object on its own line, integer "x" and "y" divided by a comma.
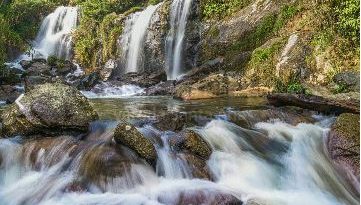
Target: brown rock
{"x": 312, "y": 102}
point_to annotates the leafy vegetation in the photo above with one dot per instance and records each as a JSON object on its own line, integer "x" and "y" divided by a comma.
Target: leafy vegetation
{"x": 218, "y": 9}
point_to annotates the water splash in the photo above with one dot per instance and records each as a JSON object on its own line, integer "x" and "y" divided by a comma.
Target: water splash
{"x": 59, "y": 171}
{"x": 107, "y": 90}
{"x": 175, "y": 39}
{"x": 133, "y": 38}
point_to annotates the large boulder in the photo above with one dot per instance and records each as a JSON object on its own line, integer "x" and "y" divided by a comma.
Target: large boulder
{"x": 48, "y": 108}
{"x": 89, "y": 81}
{"x": 344, "y": 146}
{"x": 128, "y": 135}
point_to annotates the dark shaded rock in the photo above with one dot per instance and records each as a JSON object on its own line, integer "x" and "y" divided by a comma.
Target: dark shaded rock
{"x": 163, "y": 88}
{"x": 38, "y": 68}
{"x": 291, "y": 115}
{"x": 209, "y": 197}
{"x": 142, "y": 79}
{"x": 127, "y": 135}
{"x": 25, "y": 64}
{"x": 31, "y": 81}
{"x": 312, "y": 102}
{"x": 89, "y": 81}
{"x": 64, "y": 67}
{"x": 350, "y": 79}
{"x": 344, "y": 146}
{"x": 172, "y": 121}
{"x": 190, "y": 141}
{"x": 9, "y": 76}
{"x": 9, "y": 93}
{"x": 49, "y": 108}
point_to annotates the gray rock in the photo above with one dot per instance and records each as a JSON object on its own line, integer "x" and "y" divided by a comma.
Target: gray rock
{"x": 48, "y": 108}
{"x": 351, "y": 79}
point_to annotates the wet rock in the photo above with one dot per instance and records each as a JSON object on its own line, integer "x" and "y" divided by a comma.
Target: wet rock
{"x": 312, "y": 102}
{"x": 9, "y": 76}
{"x": 190, "y": 141}
{"x": 163, "y": 88}
{"x": 127, "y": 135}
{"x": 107, "y": 70}
{"x": 344, "y": 146}
{"x": 208, "y": 197}
{"x": 197, "y": 165}
{"x": 25, "y": 64}
{"x": 350, "y": 79}
{"x": 48, "y": 108}
{"x": 144, "y": 79}
{"x": 64, "y": 67}
{"x": 8, "y": 93}
{"x": 291, "y": 115}
{"x": 172, "y": 121}
{"x": 89, "y": 81}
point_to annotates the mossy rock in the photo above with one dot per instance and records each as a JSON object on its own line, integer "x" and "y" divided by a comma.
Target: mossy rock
{"x": 48, "y": 108}
{"x": 344, "y": 146}
{"x": 128, "y": 135}
{"x": 190, "y": 141}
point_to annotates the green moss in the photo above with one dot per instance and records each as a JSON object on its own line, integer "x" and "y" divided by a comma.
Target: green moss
{"x": 347, "y": 125}
{"x": 295, "y": 88}
{"x": 287, "y": 12}
{"x": 218, "y": 9}
{"x": 263, "y": 62}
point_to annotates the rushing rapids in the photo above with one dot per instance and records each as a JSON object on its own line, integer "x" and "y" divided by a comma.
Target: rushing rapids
{"x": 273, "y": 163}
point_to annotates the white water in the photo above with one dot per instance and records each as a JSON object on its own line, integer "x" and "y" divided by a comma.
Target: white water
{"x": 106, "y": 90}
{"x": 299, "y": 175}
{"x": 53, "y": 37}
{"x": 133, "y": 38}
{"x": 175, "y": 40}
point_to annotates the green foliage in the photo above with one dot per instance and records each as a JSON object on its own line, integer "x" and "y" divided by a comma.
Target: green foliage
{"x": 217, "y": 9}
{"x": 257, "y": 37}
{"x": 287, "y": 12}
{"x": 347, "y": 15}
{"x": 154, "y": 2}
{"x": 52, "y": 60}
{"x": 340, "y": 88}
{"x": 295, "y": 88}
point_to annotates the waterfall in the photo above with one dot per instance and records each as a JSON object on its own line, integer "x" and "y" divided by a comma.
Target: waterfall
{"x": 54, "y": 36}
{"x": 175, "y": 40}
{"x": 133, "y": 37}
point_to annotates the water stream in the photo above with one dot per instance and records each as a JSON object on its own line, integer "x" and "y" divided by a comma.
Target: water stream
{"x": 293, "y": 169}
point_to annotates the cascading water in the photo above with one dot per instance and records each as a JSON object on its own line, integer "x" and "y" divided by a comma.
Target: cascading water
{"x": 53, "y": 37}
{"x": 290, "y": 168}
{"x": 175, "y": 40}
{"x": 133, "y": 37}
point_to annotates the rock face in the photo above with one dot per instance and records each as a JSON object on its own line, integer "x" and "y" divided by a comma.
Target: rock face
{"x": 48, "y": 108}
{"x": 312, "y": 102}
{"x": 127, "y": 135}
{"x": 202, "y": 197}
{"x": 144, "y": 79}
{"x": 344, "y": 146}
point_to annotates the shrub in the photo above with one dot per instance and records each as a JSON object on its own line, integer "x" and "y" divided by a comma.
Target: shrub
{"x": 295, "y": 88}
